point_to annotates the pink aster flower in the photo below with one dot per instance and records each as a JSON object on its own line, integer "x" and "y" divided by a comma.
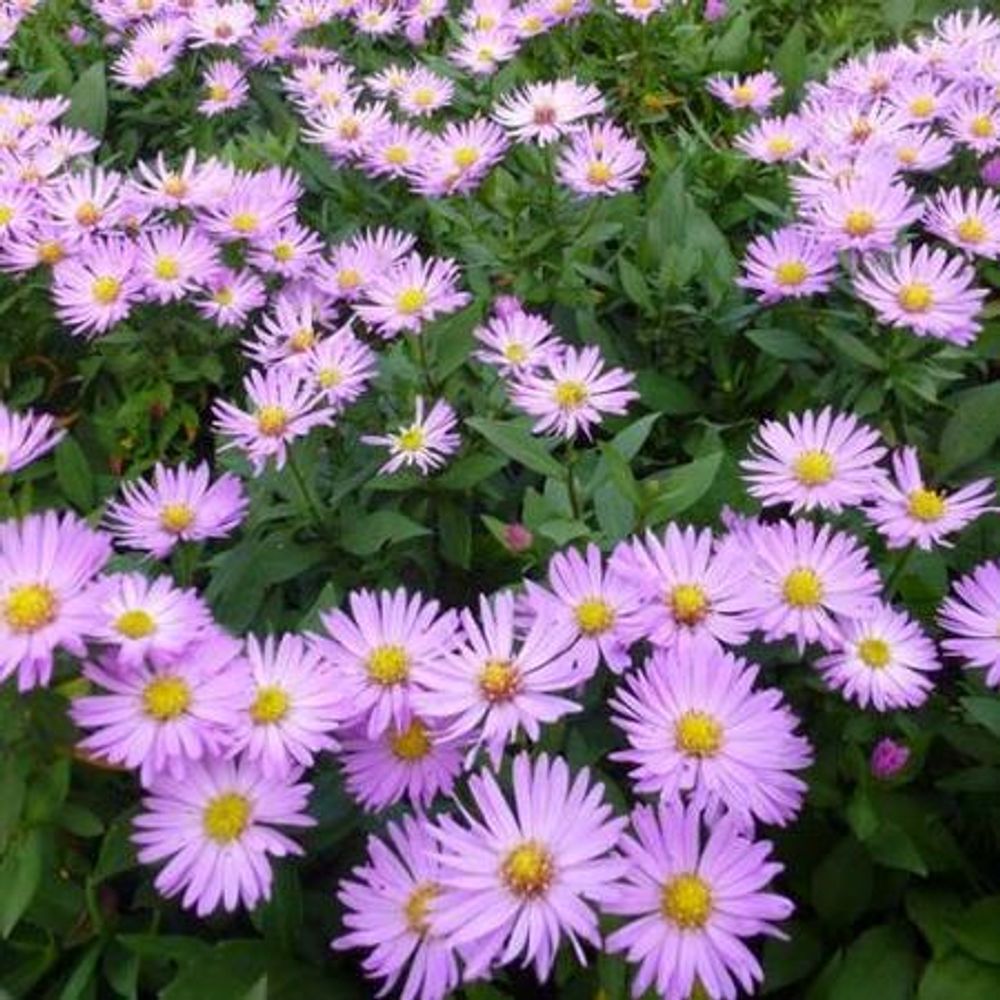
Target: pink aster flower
{"x": 424, "y": 92}
{"x": 523, "y": 872}
{"x": 222, "y": 24}
{"x": 283, "y": 408}
{"x": 217, "y": 826}
{"x": 926, "y": 291}
{"x": 969, "y": 220}
{"x": 177, "y": 505}
{"x": 253, "y": 205}
{"x": 809, "y": 575}
{"x": 692, "y": 591}
{"x": 600, "y": 159}
{"x": 87, "y": 202}
{"x": 756, "y": 92}
{"x": 231, "y": 296}
{"x": 458, "y": 159}
{"x": 639, "y": 10}
{"x": 974, "y": 120}
{"x": 573, "y": 392}
{"x": 172, "y": 261}
{"x": 356, "y": 262}
{"x": 143, "y": 619}
{"x": 25, "y": 437}
{"x": 379, "y": 648}
{"x": 545, "y": 112}
{"x": 920, "y": 99}
{"x": 905, "y": 511}
{"x": 882, "y": 660}
{"x": 863, "y": 213}
{"x": 96, "y": 288}
{"x": 19, "y": 210}
{"x": 921, "y": 150}
{"x": 969, "y": 617}
{"x": 294, "y": 710}
{"x": 391, "y": 908}
{"x": 825, "y": 460}
{"x": 775, "y": 140}
{"x": 728, "y": 747}
{"x": 426, "y": 443}
{"x": 592, "y": 602}
{"x": 341, "y": 367}
{"x": 396, "y": 150}
{"x": 191, "y": 184}
{"x": 788, "y": 263}
{"x": 416, "y": 762}
{"x": 47, "y": 566}
{"x": 346, "y": 131}
{"x": 692, "y": 899}
{"x": 224, "y": 87}
{"x": 285, "y": 336}
{"x": 411, "y": 294}
{"x": 482, "y": 51}
{"x": 158, "y": 719}
{"x": 291, "y": 251}
{"x": 517, "y": 341}
{"x": 498, "y": 681}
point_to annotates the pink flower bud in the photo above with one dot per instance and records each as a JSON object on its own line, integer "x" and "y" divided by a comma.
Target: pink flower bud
{"x": 716, "y": 10}
{"x": 991, "y": 171}
{"x": 889, "y": 758}
{"x": 517, "y": 537}
{"x": 505, "y": 306}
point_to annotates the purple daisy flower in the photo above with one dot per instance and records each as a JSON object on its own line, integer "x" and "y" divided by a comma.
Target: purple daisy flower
{"x": 341, "y": 367}
{"x": 756, "y": 92}
{"x": 905, "y": 511}
{"x": 522, "y": 873}
{"x": 517, "y": 341}
{"x": 96, "y": 289}
{"x": 969, "y": 220}
{"x": 426, "y": 443}
{"x": 969, "y": 616}
{"x": 24, "y": 437}
{"x": 728, "y": 747}
{"x": 600, "y": 159}
{"x": 788, "y": 263}
{"x": 216, "y": 826}
{"x": 693, "y": 899}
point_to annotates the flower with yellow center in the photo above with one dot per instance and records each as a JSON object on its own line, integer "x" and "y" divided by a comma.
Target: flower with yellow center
{"x": 270, "y": 705}
{"x": 416, "y": 909}
{"x": 686, "y": 901}
{"x": 388, "y": 665}
{"x": 218, "y": 92}
{"x": 859, "y": 222}
{"x": 527, "y": 870}
{"x": 688, "y": 603}
{"x": 397, "y": 155}
{"x": 780, "y": 145}
{"x": 29, "y": 607}
{"x": 283, "y": 251}
{"x": 245, "y": 222}
{"x": 570, "y": 394}
{"x": 329, "y": 378}
{"x": 422, "y": 97}
{"x": 6, "y": 214}
{"x": 791, "y": 273}
{"x": 272, "y": 420}
{"x": 174, "y": 186}
{"x": 814, "y": 467}
{"x": 499, "y": 681}
{"x": 135, "y": 624}
{"x": 916, "y": 297}
{"x": 923, "y": 106}
{"x": 698, "y": 734}
{"x": 411, "y": 440}
{"x": 348, "y": 278}
{"x": 88, "y": 214}
{"x": 465, "y": 156}
{"x": 926, "y": 505}
{"x": 105, "y": 289}
{"x": 412, "y": 743}
{"x": 599, "y": 173}
{"x": 411, "y": 300}
{"x": 907, "y": 155}
{"x": 166, "y": 268}
{"x": 166, "y": 698}
{"x": 874, "y": 653}
{"x": 594, "y": 616}
{"x": 176, "y": 517}
{"x": 744, "y": 93}
{"x": 972, "y": 230}
{"x": 515, "y": 352}
{"x": 802, "y": 588}
{"x": 50, "y": 252}
{"x": 302, "y": 339}
{"x": 226, "y": 817}
{"x": 982, "y": 127}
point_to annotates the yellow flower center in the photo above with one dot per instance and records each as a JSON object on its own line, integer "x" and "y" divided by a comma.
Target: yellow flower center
{"x": 135, "y": 624}
{"x": 271, "y": 705}
{"x": 29, "y": 607}
{"x": 226, "y": 817}
{"x": 972, "y": 230}
{"x": 411, "y": 300}
{"x": 689, "y": 603}
{"x": 218, "y": 92}
{"x": 176, "y": 517}
{"x": 105, "y": 289}
{"x": 516, "y": 353}
{"x": 283, "y": 252}
{"x": 88, "y": 214}
{"x": 412, "y": 743}
{"x": 302, "y": 339}
{"x": 417, "y": 907}
{"x": 422, "y": 96}
{"x": 859, "y": 222}
{"x": 329, "y": 378}
{"x": 50, "y": 252}
{"x": 743, "y": 94}
{"x": 907, "y": 155}
{"x": 874, "y": 653}
{"x": 272, "y": 420}
{"x": 464, "y": 157}
{"x": 803, "y": 588}
{"x": 174, "y": 186}
{"x": 349, "y": 277}
{"x": 166, "y": 698}
{"x": 6, "y": 214}
{"x": 926, "y": 505}
{"x": 923, "y": 106}
{"x": 388, "y": 665}
{"x": 599, "y": 172}
{"x": 397, "y": 155}
{"x": 780, "y": 145}
{"x": 594, "y": 616}
{"x": 916, "y": 297}
{"x": 224, "y": 296}
{"x": 411, "y": 440}
{"x": 245, "y": 222}
{"x": 697, "y": 734}
{"x": 500, "y": 680}
{"x": 791, "y": 273}
{"x": 982, "y": 127}
{"x": 686, "y": 901}
{"x": 814, "y": 467}
{"x": 166, "y": 268}
{"x": 570, "y": 395}
{"x": 527, "y": 870}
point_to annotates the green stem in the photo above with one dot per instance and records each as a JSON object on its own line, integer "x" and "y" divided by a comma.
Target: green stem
{"x": 897, "y": 571}
{"x": 307, "y": 494}
{"x": 571, "y": 489}
{"x": 425, "y": 366}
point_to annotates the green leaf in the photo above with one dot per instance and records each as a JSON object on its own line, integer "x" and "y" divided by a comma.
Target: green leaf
{"x": 73, "y": 475}
{"x": 634, "y": 284}
{"x": 971, "y": 430}
{"x": 790, "y": 61}
{"x": 977, "y": 929}
{"x": 853, "y": 348}
{"x": 117, "y": 852}
{"x": 89, "y": 101}
{"x": 470, "y": 470}
{"x": 787, "y": 345}
{"x": 667, "y": 394}
{"x": 515, "y": 440}
{"x": 682, "y": 486}
{"x": 20, "y": 874}
{"x": 985, "y": 711}
{"x": 842, "y": 883}
{"x": 455, "y": 534}
{"x": 83, "y": 975}
{"x": 881, "y": 963}
{"x": 166, "y": 947}
{"x": 787, "y": 962}
{"x": 898, "y": 13}
{"x": 368, "y": 534}
{"x": 955, "y": 977}
{"x": 731, "y": 48}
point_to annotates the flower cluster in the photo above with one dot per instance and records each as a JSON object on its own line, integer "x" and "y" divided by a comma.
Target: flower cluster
{"x": 864, "y": 143}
